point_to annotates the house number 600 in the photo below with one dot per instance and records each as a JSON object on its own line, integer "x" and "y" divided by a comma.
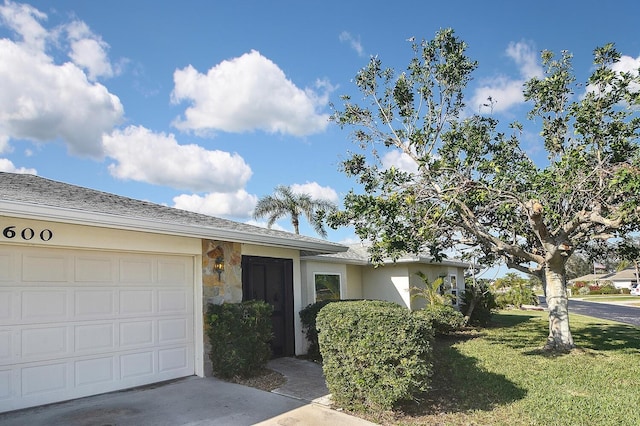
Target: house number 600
{"x": 26, "y": 233}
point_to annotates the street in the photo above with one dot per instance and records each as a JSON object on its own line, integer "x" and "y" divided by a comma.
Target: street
{"x": 614, "y": 312}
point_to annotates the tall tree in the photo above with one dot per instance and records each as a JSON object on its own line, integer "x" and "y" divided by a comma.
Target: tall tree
{"x": 284, "y": 202}
{"x": 475, "y": 186}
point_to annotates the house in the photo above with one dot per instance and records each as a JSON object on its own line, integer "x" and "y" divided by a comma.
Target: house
{"x": 620, "y": 280}
{"x": 100, "y": 292}
{"x": 352, "y": 276}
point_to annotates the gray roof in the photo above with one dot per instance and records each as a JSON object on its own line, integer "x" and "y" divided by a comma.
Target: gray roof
{"x": 30, "y": 196}
{"x": 359, "y": 254}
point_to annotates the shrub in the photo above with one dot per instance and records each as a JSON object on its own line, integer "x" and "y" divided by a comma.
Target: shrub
{"x": 375, "y": 354}
{"x": 517, "y": 296}
{"x": 444, "y": 319}
{"x": 308, "y": 317}
{"x": 240, "y": 335}
{"x": 584, "y": 290}
{"x": 483, "y": 302}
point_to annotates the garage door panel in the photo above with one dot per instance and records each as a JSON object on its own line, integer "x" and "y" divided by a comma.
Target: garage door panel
{"x": 6, "y": 302}
{"x": 45, "y": 268}
{"x": 172, "y": 272}
{"x": 6, "y": 266}
{"x": 136, "y": 364}
{"x": 95, "y": 337}
{"x": 90, "y": 372}
{"x": 136, "y": 271}
{"x": 6, "y": 347}
{"x": 5, "y": 384}
{"x": 94, "y": 269}
{"x": 172, "y": 359}
{"x": 44, "y": 342}
{"x": 136, "y": 333}
{"x": 173, "y": 301}
{"x": 44, "y": 378}
{"x": 136, "y": 302}
{"x": 173, "y": 330}
{"x": 75, "y": 323}
{"x": 44, "y": 305}
{"x": 91, "y": 304}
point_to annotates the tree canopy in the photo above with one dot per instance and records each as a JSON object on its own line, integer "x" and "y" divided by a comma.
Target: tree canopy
{"x": 474, "y": 188}
{"x": 284, "y": 202}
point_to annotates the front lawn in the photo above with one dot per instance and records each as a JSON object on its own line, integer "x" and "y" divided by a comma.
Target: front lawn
{"x": 499, "y": 376}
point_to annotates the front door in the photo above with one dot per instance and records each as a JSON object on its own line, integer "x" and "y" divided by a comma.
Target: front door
{"x": 271, "y": 279}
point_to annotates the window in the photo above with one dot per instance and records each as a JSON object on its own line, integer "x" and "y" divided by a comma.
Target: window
{"x": 327, "y": 286}
{"x": 453, "y": 280}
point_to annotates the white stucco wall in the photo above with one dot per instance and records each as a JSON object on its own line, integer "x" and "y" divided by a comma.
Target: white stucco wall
{"x": 389, "y": 282}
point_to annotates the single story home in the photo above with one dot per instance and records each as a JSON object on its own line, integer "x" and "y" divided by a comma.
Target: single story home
{"x": 100, "y": 292}
{"x": 350, "y": 275}
{"x": 620, "y": 280}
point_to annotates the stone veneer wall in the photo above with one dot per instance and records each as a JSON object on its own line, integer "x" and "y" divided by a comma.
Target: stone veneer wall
{"x": 226, "y": 288}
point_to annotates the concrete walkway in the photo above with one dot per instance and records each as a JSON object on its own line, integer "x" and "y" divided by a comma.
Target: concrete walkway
{"x": 195, "y": 401}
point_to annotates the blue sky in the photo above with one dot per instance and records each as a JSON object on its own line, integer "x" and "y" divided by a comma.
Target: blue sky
{"x": 209, "y": 105}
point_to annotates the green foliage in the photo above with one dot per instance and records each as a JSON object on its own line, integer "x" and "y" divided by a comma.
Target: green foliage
{"x": 479, "y": 297}
{"x": 476, "y": 188}
{"x": 284, "y": 202}
{"x": 433, "y": 292}
{"x": 376, "y": 354}
{"x": 308, "y": 317}
{"x": 240, "y": 335}
{"x": 444, "y": 319}
{"x": 516, "y": 297}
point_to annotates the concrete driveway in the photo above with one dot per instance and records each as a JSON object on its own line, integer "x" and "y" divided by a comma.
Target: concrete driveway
{"x": 195, "y": 401}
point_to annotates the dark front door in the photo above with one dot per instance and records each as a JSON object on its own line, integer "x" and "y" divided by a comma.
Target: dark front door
{"x": 271, "y": 279}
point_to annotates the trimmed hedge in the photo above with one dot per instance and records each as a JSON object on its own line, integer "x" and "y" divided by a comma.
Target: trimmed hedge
{"x": 375, "y": 354}
{"x": 240, "y": 336}
{"x": 444, "y": 319}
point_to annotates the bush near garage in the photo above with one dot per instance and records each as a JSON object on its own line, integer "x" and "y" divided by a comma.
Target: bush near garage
{"x": 375, "y": 354}
{"x": 240, "y": 336}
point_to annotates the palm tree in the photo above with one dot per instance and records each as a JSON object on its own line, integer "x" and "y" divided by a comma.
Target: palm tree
{"x": 284, "y": 202}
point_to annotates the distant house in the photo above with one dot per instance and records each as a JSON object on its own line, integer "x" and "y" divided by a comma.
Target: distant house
{"x": 622, "y": 279}
{"x": 354, "y": 277}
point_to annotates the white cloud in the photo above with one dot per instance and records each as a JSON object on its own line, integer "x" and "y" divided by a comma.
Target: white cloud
{"x": 399, "y": 160}
{"x": 233, "y": 204}
{"x": 42, "y": 101}
{"x": 354, "y": 43}
{"x": 626, "y": 64}
{"x": 24, "y": 19}
{"x": 501, "y": 93}
{"x": 7, "y": 166}
{"x": 315, "y": 191}
{"x": 244, "y": 94}
{"x": 157, "y": 158}
{"x": 88, "y": 51}
{"x": 263, "y": 224}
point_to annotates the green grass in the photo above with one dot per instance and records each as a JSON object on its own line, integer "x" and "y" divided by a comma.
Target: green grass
{"x": 500, "y": 376}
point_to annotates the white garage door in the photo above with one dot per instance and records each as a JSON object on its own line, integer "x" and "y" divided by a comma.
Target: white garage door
{"x": 77, "y": 323}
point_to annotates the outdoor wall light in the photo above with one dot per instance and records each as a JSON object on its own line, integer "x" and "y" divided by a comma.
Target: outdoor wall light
{"x": 218, "y": 266}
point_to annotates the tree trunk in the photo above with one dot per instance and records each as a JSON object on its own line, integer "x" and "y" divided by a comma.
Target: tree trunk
{"x": 556, "y": 292}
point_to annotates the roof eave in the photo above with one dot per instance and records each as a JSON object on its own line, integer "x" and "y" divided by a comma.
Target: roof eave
{"x": 105, "y": 220}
